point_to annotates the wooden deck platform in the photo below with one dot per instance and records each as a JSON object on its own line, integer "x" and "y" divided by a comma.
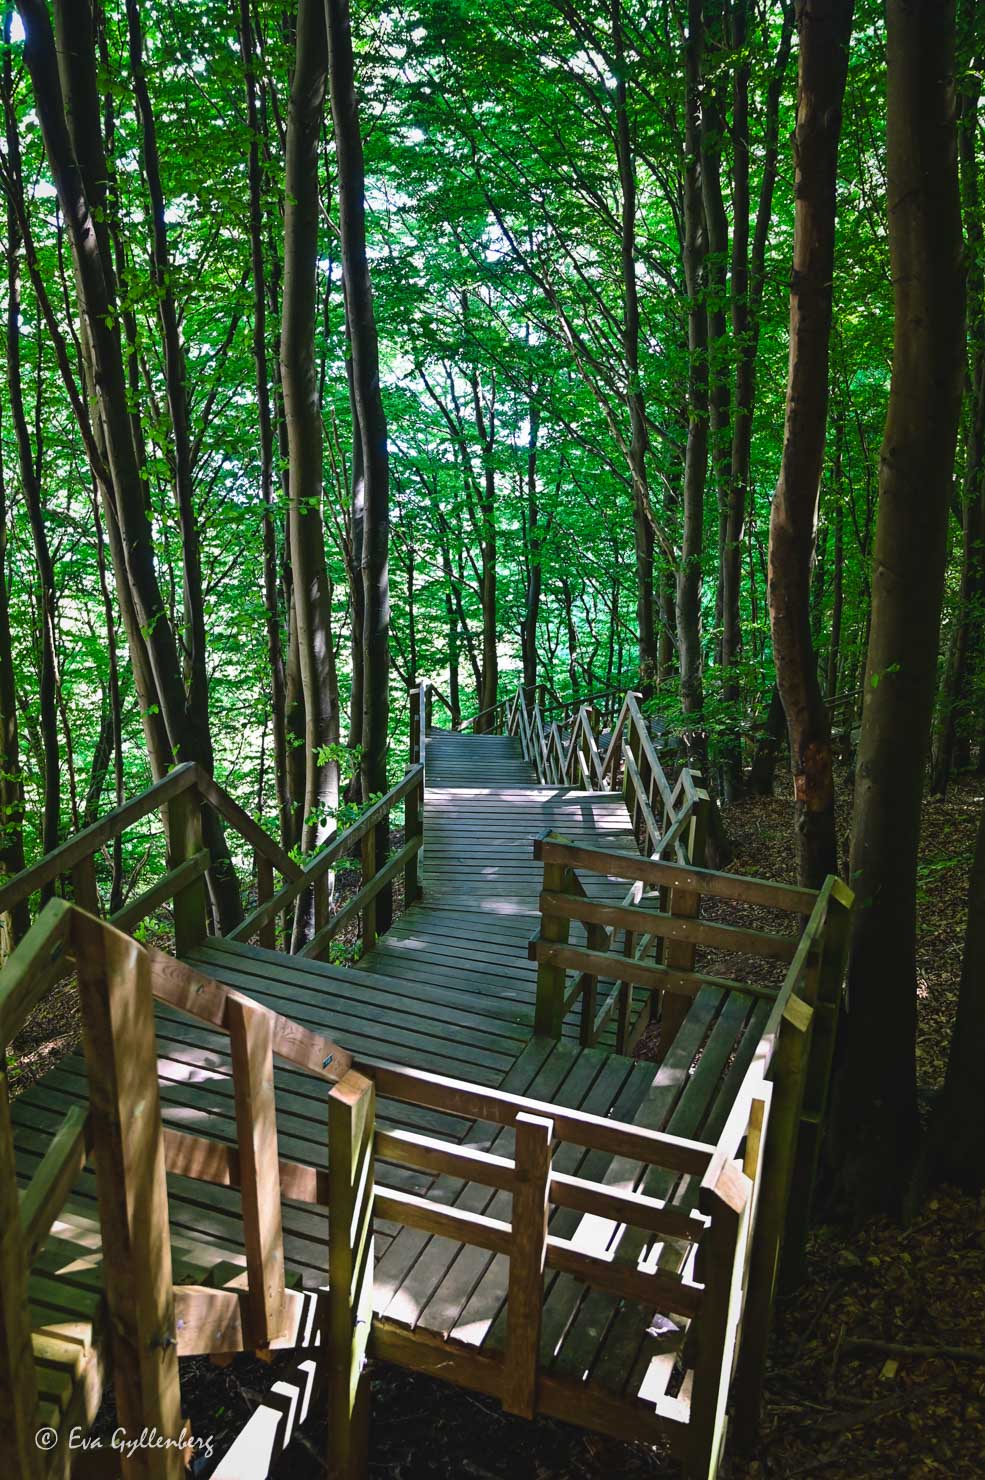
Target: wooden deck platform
{"x": 450, "y": 988}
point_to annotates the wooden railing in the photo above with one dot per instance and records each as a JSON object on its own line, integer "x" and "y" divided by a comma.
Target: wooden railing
{"x": 602, "y": 750}
{"x": 178, "y": 800}
{"x": 132, "y": 1151}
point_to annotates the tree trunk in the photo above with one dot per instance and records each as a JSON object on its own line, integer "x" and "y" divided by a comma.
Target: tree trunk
{"x": 70, "y": 123}
{"x": 957, "y": 1128}
{"x": 197, "y": 738}
{"x": 375, "y": 553}
{"x": 696, "y": 455}
{"x": 302, "y": 414}
{"x": 968, "y": 614}
{"x": 639, "y": 439}
{"x": 876, "y": 1120}
{"x": 265, "y": 428}
{"x": 30, "y": 464}
{"x": 825, "y": 28}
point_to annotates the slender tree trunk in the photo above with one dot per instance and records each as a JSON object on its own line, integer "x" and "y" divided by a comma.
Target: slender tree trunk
{"x": 197, "y": 737}
{"x": 534, "y": 552}
{"x": 696, "y": 455}
{"x": 876, "y": 1112}
{"x": 302, "y": 414}
{"x": 825, "y": 28}
{"x": 375, "y": 553}
{"x": 30, "y": 464}
{"x": 837, "y": 603}
{"x": 957, "y": 1128}
{"x": 967, "y": 618}
{"x": 15, "y": 923}
{"x": 68, "y": 108}
{"x": 639, "y": 437}
{"x": 265, "y": 427}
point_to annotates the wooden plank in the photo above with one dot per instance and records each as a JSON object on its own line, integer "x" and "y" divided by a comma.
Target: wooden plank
{"x": 688, "y": 930}
{"x": 551, "y": 977}
{"x": 454, "y": 1223}
{"x": 643, "y": 973}
{"x": 459, "y": 1098}
{"x": 429, "y": 1154}
{"x": 19, "y": 1454}
{"x": 652, "y": 1288}
{"x": 727, "y": 1204}
{"x": 199, "y": 996}
{"x": 703, "y": 881}
{"x": 91, "y": 839}
{"x": 172, "y": 884}
{"x": 42, "y": 1199}
{"x": 351, "y": 1115}
{"x": 184, "y": 842}
{"x": 33, "y": 966}
{"x": 118, "y": 1032}
{"x": 251, "y": 1044}
{"x": 528, "y": 1253}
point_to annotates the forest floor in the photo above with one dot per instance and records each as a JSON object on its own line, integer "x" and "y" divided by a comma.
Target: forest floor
{"x": 832, "y": 1408}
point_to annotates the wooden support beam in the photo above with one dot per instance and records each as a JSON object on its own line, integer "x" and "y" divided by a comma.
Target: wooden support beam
{"x": 525, "y": 1298}
{"x": 551, "y": 976}
{"x": 367, "y": 850}
{"x": 727, "y": 1204}
{"x": 121, "y": 1060}
{"x": 828, "y": 986}
{"x": 251, "y": 1042}
{"x": 787, "y": 1073}
{"x": 267, "y": 934}
{"x": 45, "y": 1194}
{"x": 351, "y": 1128}
{"x": 184, "y": 842}
{"x": 33, "y": 966}
{"x": 413, "y": 831}
{"x": 19, "y": 1455}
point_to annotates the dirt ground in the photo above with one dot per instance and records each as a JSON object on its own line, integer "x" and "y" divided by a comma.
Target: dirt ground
{"x": 834, "y": 1407}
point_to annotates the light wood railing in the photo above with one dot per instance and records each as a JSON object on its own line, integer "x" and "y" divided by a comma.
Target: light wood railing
{"x": 132, "y": 1151}
{"x": 176, "y": 803}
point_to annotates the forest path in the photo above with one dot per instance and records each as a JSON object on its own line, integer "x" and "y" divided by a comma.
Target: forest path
{"x": 483, "y": 809}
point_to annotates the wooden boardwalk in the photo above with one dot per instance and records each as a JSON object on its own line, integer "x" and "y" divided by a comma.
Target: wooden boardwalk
{"x": 450, "y": 991}
{"x": 449, "y": 988}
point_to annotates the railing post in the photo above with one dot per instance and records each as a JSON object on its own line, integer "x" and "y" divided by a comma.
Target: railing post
{"x": 19, "y": 1454}
{"x": 428, "y": 708}
{"x": 528, "y": 1253}
{"x": 367, "y": 854}
{"x": 716, "y": 1324}
{"x": 267, "y": 934}
{"x": 84, "y": 890}
{"x": 787, "y": 1071}
{"x": 128, "y": 1150}
{"x": 251, "y": 1039}
{"x": 184, "y": 841}
{"x": 351, "y": 1128}
{"x": 549, "y": 1011}
{"x": 414, "y": 698}
{"x": 829, "y": 981}
{"x": 413, "y": 828}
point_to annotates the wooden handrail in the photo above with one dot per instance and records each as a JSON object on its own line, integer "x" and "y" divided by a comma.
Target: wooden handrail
{"x": 336, "y": 847}
{"x": 60, "y": 860}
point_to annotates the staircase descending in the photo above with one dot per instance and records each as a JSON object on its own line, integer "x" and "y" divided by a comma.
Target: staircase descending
{"x": 534, "y": 1195}
{"x": 454, "y": 759}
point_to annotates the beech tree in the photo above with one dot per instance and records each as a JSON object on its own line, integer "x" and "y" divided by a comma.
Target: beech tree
{"x": 876, "y": 1123}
